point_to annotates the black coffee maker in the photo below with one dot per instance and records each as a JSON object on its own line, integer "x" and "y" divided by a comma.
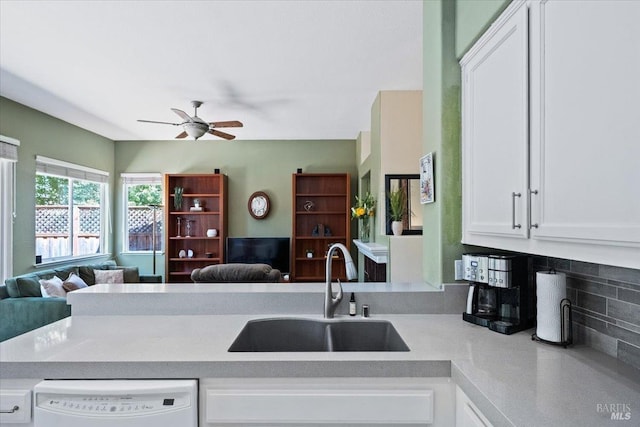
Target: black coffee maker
{"x": 501, "y": 292}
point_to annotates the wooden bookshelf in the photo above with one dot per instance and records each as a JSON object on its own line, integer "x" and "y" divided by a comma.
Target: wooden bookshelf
{"x": 210, "y": 190}
{"x": 319, "y": 199}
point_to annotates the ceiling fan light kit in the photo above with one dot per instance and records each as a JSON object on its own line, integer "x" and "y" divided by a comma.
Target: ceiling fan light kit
{"x": 195, "y": 127}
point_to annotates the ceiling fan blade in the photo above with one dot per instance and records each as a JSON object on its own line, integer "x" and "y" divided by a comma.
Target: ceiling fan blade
{"x": 182, "y": 135}
{"x": 162, "y": 123}
{"x": 229, "y": 124}
{"x": 185, "y": 116}
{"x": 221, "y": 134}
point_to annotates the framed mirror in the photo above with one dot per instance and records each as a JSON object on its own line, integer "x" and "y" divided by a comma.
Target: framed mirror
{"x": 410, "y": 184}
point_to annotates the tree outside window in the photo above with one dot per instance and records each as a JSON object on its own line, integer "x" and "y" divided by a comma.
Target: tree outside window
{"x": 140, "y": 216}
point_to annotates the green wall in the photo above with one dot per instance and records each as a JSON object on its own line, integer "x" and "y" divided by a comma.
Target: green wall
{"x": 450, "y": 28}
{"x": 44, "y": 135}
{"x": 473, "y": 17}
{"x": 249, "y": 165}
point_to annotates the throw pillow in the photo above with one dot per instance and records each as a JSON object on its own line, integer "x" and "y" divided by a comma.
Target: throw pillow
{"x": 109, "y": 276}
{"x": 52, "y": 287}
{"x": 73, "y": 282}
{"x": 28, "y": 286}
{"x": 130, "y": 274}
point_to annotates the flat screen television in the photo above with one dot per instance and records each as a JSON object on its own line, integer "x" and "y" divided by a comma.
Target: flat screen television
{"x": 260, "y": 250}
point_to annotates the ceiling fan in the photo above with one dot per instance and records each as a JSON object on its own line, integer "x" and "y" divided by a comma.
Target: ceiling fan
{"x": 195, "y": 127}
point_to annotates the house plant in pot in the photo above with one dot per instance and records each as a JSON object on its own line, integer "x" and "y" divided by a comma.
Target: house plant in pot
{"x": 397, "y": 207}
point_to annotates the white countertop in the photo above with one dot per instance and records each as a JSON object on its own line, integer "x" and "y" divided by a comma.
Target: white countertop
{"x": 184, "y": 331}
{"x": 512, "y": 379}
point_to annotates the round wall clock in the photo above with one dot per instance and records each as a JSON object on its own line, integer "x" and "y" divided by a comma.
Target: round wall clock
{"x": 259, "y": 205}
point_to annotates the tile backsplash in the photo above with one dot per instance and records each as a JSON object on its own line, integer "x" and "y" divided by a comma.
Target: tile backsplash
{"x": 606, "y": 306}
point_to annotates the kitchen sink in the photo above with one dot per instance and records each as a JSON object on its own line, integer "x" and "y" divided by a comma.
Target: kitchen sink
{"x": 289, "y": 334}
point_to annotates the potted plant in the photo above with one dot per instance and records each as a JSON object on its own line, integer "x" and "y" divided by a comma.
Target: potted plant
{"x": 364, "y": 210}
{"x": 309, "y": 253}
{"x": 397, "y": 207}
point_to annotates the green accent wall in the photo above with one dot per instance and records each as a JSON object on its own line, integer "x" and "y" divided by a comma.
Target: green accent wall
{"x": 473, "y": 17}
{"x": 450, "y": 28}
{"x": 249, "y": 165}
{"x": 44, "y": 135}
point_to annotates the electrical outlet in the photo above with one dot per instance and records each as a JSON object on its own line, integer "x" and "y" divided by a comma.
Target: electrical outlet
{"x": 459, "y": 275}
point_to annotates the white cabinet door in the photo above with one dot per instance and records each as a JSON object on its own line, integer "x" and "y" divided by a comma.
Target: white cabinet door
{"x": 326, "y": 401}
{"x": 585, "y": 89}
{"x": 495, "y": 130}
{"x": 467, "y": 413}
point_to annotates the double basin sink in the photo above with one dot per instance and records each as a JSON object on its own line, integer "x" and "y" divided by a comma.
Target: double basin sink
{"x": 291, "y": 334}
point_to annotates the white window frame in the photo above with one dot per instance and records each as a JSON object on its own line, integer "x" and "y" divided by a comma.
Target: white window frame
{"x": 8, "y": 159}
{"x": 136, "y": 178}
{"x": 71, "y": 171}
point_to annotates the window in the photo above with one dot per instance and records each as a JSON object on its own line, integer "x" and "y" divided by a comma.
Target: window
{"x": 143, "y": 211}
{"x": 71, "y": 210}
{"x": 8, "y": 159}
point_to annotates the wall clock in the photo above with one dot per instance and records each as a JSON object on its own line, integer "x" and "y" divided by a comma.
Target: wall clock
{"x": 259, "y": 205}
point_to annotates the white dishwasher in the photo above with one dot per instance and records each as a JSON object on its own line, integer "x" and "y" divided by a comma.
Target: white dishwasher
{"x": 110, "y": 403}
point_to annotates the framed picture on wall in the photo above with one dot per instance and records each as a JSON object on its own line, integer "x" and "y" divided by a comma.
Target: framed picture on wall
{"x": 427, "y": 187}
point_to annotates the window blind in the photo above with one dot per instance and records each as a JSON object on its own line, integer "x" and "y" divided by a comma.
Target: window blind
{"x": 9, "y": 148}
{"x": 69, "y": 170}
{"x": 141, "y": 178}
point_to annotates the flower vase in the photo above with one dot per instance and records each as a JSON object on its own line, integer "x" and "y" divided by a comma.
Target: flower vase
{"x": 397, "y": 227}
{"x": 365, "y": 229}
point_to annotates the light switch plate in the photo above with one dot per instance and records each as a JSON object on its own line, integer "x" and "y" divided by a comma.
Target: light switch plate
{"x": 459, "y": 275}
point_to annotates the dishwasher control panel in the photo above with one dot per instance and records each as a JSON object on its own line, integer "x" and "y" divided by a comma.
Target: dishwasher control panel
{"x": 113, "y": 405}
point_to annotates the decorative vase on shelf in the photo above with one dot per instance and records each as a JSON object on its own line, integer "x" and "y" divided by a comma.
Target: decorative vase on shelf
{"x": 365, "y": 229}
{"x": 177, "y": 198}
{"x": 397, "y": 227}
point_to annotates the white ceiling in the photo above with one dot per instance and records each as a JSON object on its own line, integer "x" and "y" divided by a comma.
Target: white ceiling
{"x": 286, "y": 69}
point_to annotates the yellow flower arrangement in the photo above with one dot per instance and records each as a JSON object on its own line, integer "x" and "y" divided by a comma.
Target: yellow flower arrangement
{"x": 365, "y": 206}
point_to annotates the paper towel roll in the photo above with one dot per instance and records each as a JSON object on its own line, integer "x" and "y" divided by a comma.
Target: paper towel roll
{"x": 551, "y": 289}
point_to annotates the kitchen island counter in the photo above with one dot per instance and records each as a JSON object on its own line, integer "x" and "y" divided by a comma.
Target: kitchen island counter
{"x": 512, "y": 379}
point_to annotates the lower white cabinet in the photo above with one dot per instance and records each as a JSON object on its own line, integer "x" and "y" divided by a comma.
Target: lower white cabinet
{"x": 16, "y": 402}
{"x": 468, "y": 414}
{"x": 327, "y": 401}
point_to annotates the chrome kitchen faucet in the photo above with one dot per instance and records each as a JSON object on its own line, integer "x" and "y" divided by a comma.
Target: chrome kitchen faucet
{"x": 331, "y": 303}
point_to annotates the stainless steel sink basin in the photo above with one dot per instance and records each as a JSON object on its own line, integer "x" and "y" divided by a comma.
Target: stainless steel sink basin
{"x": 288, "y": 334}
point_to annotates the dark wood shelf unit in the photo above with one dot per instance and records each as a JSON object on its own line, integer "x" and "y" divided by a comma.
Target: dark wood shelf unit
{"x": 210, "y": 189}
{"x": 330, "y": 195}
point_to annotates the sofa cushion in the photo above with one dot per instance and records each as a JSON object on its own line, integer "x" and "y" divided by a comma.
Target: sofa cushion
{"x": 109, "y": 276}
{"x": 52, "y": 287}
{"x": 130, "y": 274}
{"x": 63, "y": 272}
{"x": 28, "y": 286}
{"x": 235, "y": 272}
{"x": 73, "y": 283}
{"x": 86, "y": 271}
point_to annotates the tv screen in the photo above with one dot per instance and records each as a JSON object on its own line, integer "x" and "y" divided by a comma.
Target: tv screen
{"x": 259, "y": 250}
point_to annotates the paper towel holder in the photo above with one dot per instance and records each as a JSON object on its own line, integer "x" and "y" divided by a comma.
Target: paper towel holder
{"x": 566, "y": 329}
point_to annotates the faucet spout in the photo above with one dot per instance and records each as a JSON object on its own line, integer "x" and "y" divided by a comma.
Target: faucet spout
{"x": 331, "y": 302}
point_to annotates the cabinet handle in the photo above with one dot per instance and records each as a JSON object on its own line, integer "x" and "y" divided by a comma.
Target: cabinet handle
{"x": 10, "y": 411}
{"x": 513, "y": 210}
{"x": 531, "y": 225}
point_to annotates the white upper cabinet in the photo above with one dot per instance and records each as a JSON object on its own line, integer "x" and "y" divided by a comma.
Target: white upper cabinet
{"x": 495, "y": 130}
{"x": 585, "y": 92}
{"x": 579, "y": 129}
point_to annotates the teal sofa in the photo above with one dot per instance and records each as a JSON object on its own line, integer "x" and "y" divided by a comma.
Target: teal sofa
{"x": 22, "y": 307}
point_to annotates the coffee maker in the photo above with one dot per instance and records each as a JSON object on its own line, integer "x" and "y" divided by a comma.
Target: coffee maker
{"x": 501, "y": 292}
